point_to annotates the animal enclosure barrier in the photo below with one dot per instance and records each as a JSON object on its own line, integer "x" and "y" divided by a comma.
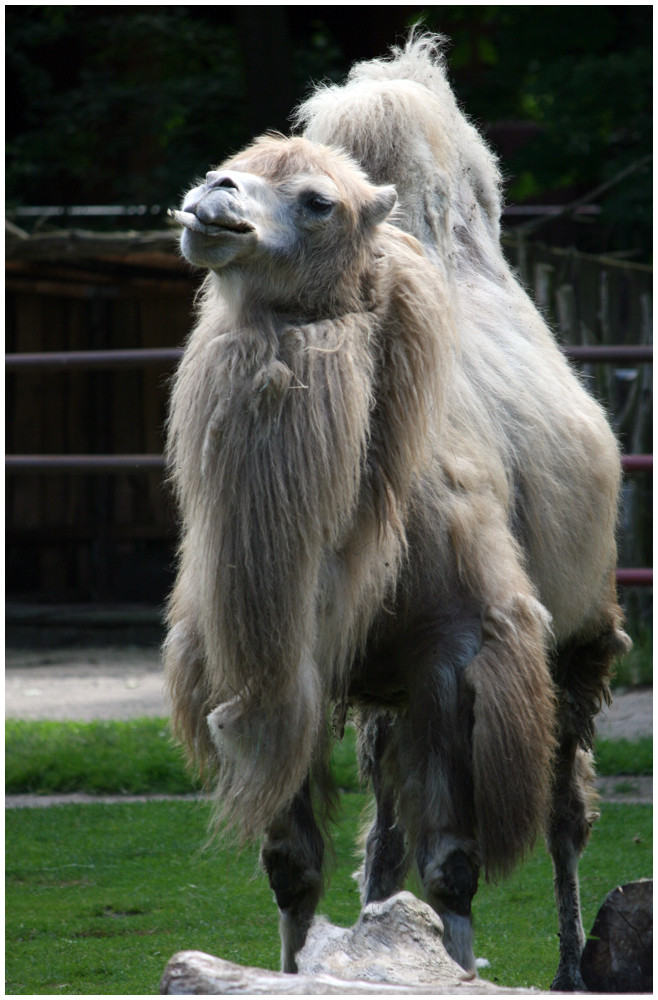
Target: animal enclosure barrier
{"x": 601, "y": 310}
{"x": 88, "y": 516}
{"x": 91, "y": 342}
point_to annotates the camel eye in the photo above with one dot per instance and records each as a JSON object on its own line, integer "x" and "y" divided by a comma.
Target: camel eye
{"x": 318, "y": 204}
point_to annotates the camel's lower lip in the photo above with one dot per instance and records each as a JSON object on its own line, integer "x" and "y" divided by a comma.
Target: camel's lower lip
{"x": 190, "y": 221}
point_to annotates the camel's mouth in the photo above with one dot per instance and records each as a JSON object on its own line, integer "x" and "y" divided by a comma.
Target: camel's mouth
{"x": 190, "y": 221}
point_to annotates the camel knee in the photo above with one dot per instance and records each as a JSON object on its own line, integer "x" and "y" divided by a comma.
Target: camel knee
{"x": 292, "y": 855}
{"x": 385, "y": 865}
{"x": 450, "y": 879}
{"x": 450, "y": 887}
{"x": 295, "y": 877}
{"x": 295, "y": 881}
{"x": 451, "y": 882}
{"x": 573, "y": 807}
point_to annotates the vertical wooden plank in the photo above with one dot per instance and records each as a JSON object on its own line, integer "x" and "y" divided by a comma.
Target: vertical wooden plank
{"x": 126, "y": 392}
{"x": 164, "y": 322}
{"x": 567, "y": 314}
{"x": 24, "y": 423}
{"x": 543, "y": 288}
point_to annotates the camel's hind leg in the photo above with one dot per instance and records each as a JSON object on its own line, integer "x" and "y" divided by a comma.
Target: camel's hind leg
{"x": 446, "y": 850}
{"x": 581, "y": 674}
{"x": 385, "y": 864}
{"x": 292, "y": 854}
{"x": 568, "y": 832}
{"x": 395, "y": 754}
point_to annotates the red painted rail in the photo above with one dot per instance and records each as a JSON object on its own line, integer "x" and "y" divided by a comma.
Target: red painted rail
{"x": 609, "y": 354}
{"x": 637, "y": 463}
{"x": 121, "y": 463}
{"x": 635, "y": 577}
{"x": 141, "y": 357}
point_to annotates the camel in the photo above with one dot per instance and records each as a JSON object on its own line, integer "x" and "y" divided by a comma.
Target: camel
{"x": 396, "y": 499}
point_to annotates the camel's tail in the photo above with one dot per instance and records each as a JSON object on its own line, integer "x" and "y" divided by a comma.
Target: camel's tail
{"x": 513, "y": 738}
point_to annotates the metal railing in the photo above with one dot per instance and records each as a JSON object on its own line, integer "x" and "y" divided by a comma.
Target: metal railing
{"x": 148, "y": 357}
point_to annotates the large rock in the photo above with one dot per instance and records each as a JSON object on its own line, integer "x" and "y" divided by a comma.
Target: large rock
{"x": 618, "y": 955}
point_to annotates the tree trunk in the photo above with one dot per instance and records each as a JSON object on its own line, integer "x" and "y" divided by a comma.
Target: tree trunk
{"x": 618, "y": 956}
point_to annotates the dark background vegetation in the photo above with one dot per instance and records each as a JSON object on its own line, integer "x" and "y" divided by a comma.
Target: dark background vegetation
{"x": 121, "y": 105}
{"x": 124, "y": 106}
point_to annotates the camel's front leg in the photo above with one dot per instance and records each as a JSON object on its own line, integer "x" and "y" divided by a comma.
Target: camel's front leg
{"x": 292, "y": 855}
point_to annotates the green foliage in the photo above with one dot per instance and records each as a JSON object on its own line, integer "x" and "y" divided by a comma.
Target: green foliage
{"x": 98, "y": 898}
{"x": 116, "y": 109}
{"x": 127, "y": 104}
{"x": 582, "y": 79}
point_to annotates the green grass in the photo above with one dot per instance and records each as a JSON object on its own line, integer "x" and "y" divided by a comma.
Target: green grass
{"x": 137, "y": 757}
{"x": 99, "y": 897}
{"x": 625, "y": 756}
{"x": 515, "y": 928}
{"x": 128, "y": 757}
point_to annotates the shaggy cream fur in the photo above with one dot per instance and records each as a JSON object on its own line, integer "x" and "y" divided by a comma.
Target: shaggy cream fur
{"x": 394, "y": 494}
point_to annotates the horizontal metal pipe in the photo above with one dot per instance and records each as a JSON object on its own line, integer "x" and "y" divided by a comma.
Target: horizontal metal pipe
{"x": 131, "y": 358}
{"x": 609, "y": 353}
{"x": 635, "y": 577}
{"x": 138, "y": 357}
{"x": 83, "y": 463}
{"x": 637, "y": 463}
{"x": 111, "y": 463}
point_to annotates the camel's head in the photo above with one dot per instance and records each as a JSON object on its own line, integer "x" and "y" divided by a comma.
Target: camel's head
{"x": 287, "y": 214}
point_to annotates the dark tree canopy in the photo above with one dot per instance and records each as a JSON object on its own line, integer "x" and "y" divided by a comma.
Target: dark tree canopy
{"x": 120, "y": 105}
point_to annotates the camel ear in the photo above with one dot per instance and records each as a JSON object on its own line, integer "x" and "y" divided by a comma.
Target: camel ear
{"x": 380, "y": 205}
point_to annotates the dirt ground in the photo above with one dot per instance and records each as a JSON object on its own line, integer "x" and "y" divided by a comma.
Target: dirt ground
{"x": 123, "y": 682}
{"x": 113, "y": 682}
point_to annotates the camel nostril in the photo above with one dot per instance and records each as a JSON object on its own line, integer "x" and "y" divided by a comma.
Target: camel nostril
{"x": 214, "y": 179}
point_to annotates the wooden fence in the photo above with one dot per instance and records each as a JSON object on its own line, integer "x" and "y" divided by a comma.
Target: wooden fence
{"x": 601, "y": 311}
{"x": 71, "y": 537}
{"x": 93, "y": 330}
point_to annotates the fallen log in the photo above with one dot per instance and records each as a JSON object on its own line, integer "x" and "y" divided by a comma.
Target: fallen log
{"x": 396, "y": 948}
